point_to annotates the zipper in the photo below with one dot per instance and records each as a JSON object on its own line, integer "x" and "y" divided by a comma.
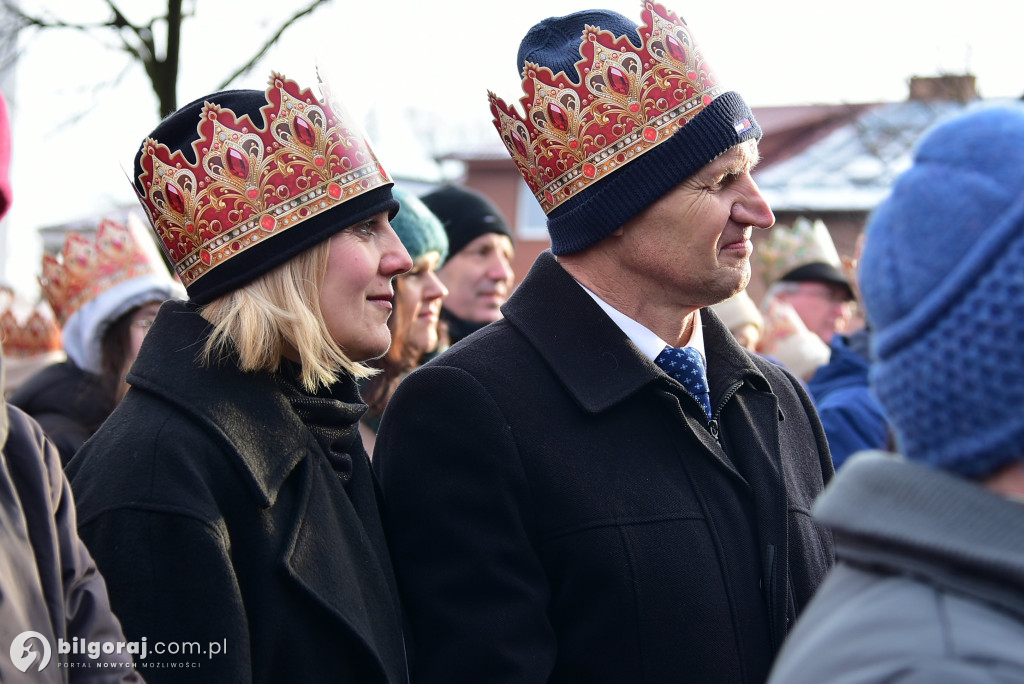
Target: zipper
{"x": 713, "y": 425}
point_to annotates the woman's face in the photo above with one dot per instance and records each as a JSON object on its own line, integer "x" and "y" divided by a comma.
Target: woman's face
{"x": 418, "y": 297}
{"x": 356, "y": 297}
{"x": 142, "y": 319}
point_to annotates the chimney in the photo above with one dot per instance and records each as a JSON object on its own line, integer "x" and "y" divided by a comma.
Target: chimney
{"x": 945, "y": 88}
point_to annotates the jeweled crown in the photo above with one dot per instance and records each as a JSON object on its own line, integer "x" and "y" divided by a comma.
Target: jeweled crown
{"x": 37, "y": 334}
{"x": 89, "y": 266}
{"x": 250, "y": 183}
{"x": 624, "y": 101}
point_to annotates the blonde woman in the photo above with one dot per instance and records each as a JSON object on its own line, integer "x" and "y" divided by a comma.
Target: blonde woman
{"x": 228, "y": 500}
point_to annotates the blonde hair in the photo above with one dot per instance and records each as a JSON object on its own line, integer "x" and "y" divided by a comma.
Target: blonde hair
{"x": 259, "y": 321}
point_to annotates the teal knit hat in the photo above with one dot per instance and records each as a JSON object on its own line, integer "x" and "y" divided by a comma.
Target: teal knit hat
{"x": 418, "y": 228}
{"x": 942, "y": 279}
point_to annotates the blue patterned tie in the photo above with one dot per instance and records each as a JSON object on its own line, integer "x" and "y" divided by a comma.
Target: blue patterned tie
{"x": 686, "y": 365}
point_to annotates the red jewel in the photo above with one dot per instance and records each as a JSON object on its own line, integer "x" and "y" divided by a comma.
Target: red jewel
{"x": 174, "y": 199}
{"x": 708, "y": 100}
{"x": 574, "y": 143}
{"x": 190, "y": 227}
{"x": 206, "y": 257}
{"x": 618, "y": 81}
{"x": 235, "y": 246}
{"x": 650, "y": 134}
{"x": 334, "y": 190}
{"x": 557, "y": 117}
{"x": 549, "y": 197}
{"x": 517, "y": 140}
{"x": 675, "y": 49}
{"x": 692, "y": 75}
{"x": 634, "y": 107}
{"x": 382, "y": 171}
{"x": 268, "y": 222}
{"x": 303, "y": 132}
{"x": 237, "y": 164}
{"x": 319, "y": 161}
{"x": 589, "y": 170}
{"x": 253, "y": 193}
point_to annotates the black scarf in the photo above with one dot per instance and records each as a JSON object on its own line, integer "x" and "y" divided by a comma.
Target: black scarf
{"x": 332, "y": 414}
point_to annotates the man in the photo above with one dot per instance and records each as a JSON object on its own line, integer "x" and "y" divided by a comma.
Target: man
{"x": 559, "y": 508}
{"x": 929, "y": 586}
{"x": 801, "y": 266}
{"x": 478, "y": 272}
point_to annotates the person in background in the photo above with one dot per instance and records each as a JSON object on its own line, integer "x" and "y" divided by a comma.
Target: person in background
{"x": 228, "y": 498}
{"x": 801, "y": 267}
{"x": 49, "y": 586}
{"x": 741, "y": 316}
{"x": 414, "y": 322}
{"x": 854, "y": 420}
{"x": 478, "y": 272}
{"x": 603, "y": 486}
{"x": 105, "y": 291}
{"x": 929, "y": 583}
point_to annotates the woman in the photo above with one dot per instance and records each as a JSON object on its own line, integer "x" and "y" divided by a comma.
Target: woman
{"x": 418, "y": 297}
{"x": 228, "y": 501}
{"x": 104, "y": 291}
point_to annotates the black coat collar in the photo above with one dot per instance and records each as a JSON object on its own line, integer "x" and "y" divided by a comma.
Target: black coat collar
{"x": 589, "y": 353}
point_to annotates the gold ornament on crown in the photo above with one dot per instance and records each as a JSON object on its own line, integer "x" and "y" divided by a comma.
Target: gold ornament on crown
{"x": 621, "y": 103}
{"x": 251, "y": 183}
{"x": 89, "y": 266}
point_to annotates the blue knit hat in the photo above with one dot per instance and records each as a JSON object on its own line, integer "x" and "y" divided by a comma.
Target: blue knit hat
{"x": 640, "y": 178}
{"x": 418, "y": 228}
{"x": 942, "y": 278}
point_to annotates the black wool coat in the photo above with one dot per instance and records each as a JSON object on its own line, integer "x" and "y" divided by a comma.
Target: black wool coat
{"x": 216, "y": 517}
{"x": 559, "y": 511}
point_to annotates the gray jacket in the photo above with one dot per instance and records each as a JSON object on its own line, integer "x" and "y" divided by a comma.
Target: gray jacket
{"x": 49, "y": 585}
{"x": 929, "y": 584}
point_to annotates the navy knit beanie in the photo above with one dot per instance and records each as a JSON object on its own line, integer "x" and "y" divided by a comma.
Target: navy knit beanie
{"x": 417, "y": 227}
{"x": 942, "y": 278}
{"x": 465, "y": 215}
{"x": 601, "y": 209}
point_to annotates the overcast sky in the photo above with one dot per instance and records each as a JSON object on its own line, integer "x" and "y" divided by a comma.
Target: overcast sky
{"x": 439, "y": 58}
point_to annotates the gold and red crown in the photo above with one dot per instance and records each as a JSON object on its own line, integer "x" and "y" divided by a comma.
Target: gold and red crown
{"x": 38, "y": 334}
{"x": 628, "y": 102}
{"x": 87, "y": 267}
{"x": 251, "y": 183}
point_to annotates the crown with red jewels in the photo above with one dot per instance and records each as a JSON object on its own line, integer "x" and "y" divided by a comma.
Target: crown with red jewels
{"x": 628, "y": 101}
{"x": 89, "y": 266}
{"x": 251, "y": 183}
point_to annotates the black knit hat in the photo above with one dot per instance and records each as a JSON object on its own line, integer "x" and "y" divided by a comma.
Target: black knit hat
{"x": 314, "y": 210}
{"x": 465, "y": 215}
{"x": 589, "y": 196}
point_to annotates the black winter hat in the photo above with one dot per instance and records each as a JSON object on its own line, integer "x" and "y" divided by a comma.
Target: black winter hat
{"x": 466, "y": 215}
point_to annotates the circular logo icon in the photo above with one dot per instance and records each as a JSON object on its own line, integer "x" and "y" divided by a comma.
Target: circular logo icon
{"x": 24, "y": 651}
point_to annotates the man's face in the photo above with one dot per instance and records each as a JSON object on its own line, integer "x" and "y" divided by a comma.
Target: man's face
{"x": 692, "y": 247}
{"x": 823, "y": 307}
{"x": 479, "y": 278}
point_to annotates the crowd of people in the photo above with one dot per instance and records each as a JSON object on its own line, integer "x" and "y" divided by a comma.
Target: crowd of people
{"x": 315, "y": 423}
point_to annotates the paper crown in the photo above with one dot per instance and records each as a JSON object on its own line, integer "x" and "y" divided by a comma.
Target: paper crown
{"x": 787, "y": 248}
{"x": 37, "y": 334}
{"x": 250, "y": 183}
{"x": 624, "y": 102}
{"x": 88, "y": 266}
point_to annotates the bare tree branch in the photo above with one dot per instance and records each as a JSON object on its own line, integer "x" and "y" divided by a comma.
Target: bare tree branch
{"x": 248, "y": 66}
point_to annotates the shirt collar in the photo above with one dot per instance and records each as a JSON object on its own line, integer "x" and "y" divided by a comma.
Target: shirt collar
{"x": 647, "y": 341}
